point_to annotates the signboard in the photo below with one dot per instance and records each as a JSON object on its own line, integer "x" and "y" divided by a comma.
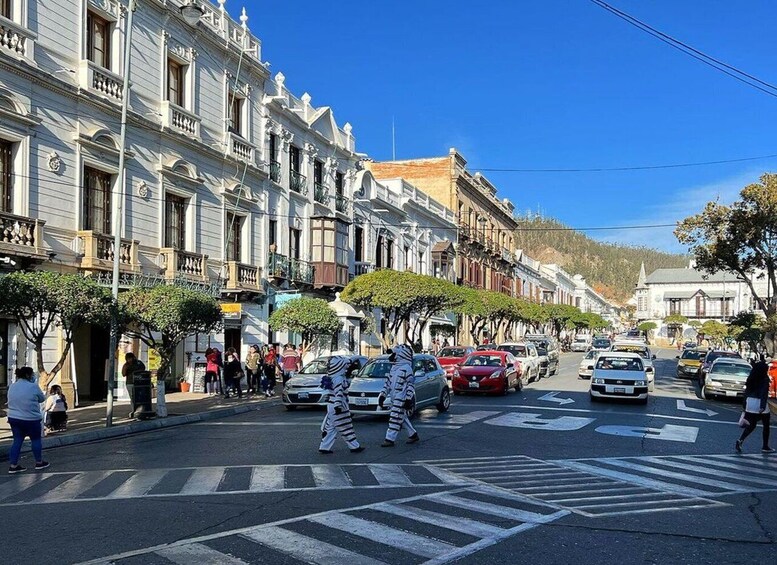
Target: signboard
{"x": 198, "y": 378}
{"x": 281, "y": 299}
{"x": 231, "y": 310}
{"x": 154, "y": 360}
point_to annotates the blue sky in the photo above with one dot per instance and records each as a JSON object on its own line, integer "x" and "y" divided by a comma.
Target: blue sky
{"x": 544, "y": 84}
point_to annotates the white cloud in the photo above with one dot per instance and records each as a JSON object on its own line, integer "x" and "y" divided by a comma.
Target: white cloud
{"x": 676, "y": 207}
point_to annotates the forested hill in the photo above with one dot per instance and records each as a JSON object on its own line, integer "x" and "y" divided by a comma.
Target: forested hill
{"x": 611, "y": 269}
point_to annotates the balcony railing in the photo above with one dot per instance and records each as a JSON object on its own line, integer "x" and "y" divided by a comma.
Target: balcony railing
{"x": 341, "y": 203}
{"x": 362, "y": 268}
{"x": 181, "y": 120}
{"x": 277, "y": 266}
{"x": 298, "y": 182}
{"x": 20, "y": 235}
{"x": 243, "y": 278}
{"x": 177, "y": 263}
{"x": 275, "y": 171}
{"x": 321, "y": 193}
{"x": 16, "y": 40}
{"x": 301, "y": 271}
{"x": 98, "y": 252}
{"x": 464, "y": 231}
{"x": 100, "y": 81}
{"x": 240, "y": 149}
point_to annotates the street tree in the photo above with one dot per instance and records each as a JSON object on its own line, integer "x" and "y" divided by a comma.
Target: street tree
{"x": 558, "y": 315}
{"x": 748, "y": 328}
{"x": 312, "y": 318}
{"x": 162, "y": 317}
{"x": 486, "y": 309}
{"x": 648, "y": 328}
{"x": 715, "y": 332}
{"x": 676, "y": 322}
{"x": 41, "y": 301}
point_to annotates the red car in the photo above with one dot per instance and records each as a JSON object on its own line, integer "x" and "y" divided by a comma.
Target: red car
{"x": 773, "y": 375}
{"x": 449, "y": 357}
{"x": 488, "y": 371}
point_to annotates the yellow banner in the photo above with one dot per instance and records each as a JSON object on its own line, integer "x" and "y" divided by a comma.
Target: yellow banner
{"x": 233, "y": 308}
{"x": 154, "y": 360}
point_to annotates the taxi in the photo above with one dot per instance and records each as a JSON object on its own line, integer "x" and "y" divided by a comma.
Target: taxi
{"x": 689, "y": 362}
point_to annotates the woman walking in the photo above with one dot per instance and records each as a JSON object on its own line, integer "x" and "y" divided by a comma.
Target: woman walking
{"x": 25, "y": 418}
{"x": 757, "y": 404}
{"x": 271, "y": 368}
{"x": 211, "y": 372}
{"x": 253, "y": 359}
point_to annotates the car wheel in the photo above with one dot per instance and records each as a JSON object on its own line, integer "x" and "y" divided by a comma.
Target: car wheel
{"x": 445, "y": 401}
{"x": 519, "y": 384}
{"x": 593, "y": 398}
{"x": 703, "y": 393}
{"x": 506, "y": 386}
{"x": 290, "y": 407}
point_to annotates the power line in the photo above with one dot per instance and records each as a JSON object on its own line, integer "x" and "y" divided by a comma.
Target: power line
{"x": 708, "y": 60}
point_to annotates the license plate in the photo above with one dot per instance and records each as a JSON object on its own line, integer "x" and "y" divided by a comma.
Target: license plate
{"x": 731, "y": 393}
{"x": 619, "y": 389}
{"x": 303, "y": 395}
{"x": 361, "y": 401}
{"x": 474, "y": 385}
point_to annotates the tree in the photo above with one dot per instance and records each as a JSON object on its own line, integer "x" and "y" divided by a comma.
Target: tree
{"x": 676, "y": 322}
{"x": 748, "y": 328}
{"x": 648, "y": 328}
{"x": 312, "y": 318}
{"x": 486, "y": 309}
{"x": 715, "y": 332}
{"x": 559, "y": 314}
{"x": 162, "y": 317}
{"x": 40, "y": 301}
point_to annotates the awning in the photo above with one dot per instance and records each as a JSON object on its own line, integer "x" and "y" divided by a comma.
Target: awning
{"x": 720, "y": 294}
{"x": 679, "y": 295}
{"x": 445, "y": 246}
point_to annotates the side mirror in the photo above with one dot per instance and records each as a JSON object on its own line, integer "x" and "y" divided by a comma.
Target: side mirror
{"x": 654, "y": 356}
{"x": 676, "y": 356}
{"x": 419, "y": 373}
{"x": 590, "y": 367}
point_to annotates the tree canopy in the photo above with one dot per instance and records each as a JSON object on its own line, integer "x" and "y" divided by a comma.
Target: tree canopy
{"x": 312, "y": 318}
{"x": 714, "y": 331}
{"x": 675, "y": 320}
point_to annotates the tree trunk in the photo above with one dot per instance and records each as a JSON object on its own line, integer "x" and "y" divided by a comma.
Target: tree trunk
{"x": 161, "y": 374}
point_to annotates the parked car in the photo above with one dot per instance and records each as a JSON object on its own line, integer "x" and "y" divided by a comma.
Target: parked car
{"x": 710, "y": 357}
{"x": 643, "y": 350}
{"x": 487, "y": 371}
{"x": 726, "y": 377}
{"x": 485, "y": 347}
{"x": 449, "y": 357}
{"x": 619, "y": 375}
{"x": 690, "y": 345}
{"x": 431, "y": 386}
{"x": 547, "y": 347}
{"x": 773, "y": 375}
{"x": 581, "y": 343}
{"x": 526, "y": 355}
{"x": 586, "y": 368}
{"x": 304, "y": 387}
{"x": 689, "y": 362}
{"x": 601, "y": 343}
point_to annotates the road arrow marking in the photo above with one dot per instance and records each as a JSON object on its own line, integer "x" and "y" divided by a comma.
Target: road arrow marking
{"x": 551, "y": 397}
{"x": 536, "y": 422}
{"x": 681, "y": 406}
{"x": 669, "y": 432}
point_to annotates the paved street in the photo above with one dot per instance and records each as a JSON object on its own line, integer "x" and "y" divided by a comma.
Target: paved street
{"x": 530, "y": 477}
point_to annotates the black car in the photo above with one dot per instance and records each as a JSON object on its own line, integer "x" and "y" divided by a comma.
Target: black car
{"x": 547, "y": 346}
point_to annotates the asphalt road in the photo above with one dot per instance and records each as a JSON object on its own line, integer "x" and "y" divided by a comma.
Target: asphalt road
{"x": 542, "y": 476}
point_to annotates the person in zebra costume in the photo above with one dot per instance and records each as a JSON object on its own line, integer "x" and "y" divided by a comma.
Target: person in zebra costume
{"x": 400, "y": 389}
{"x": 338, "y": 420}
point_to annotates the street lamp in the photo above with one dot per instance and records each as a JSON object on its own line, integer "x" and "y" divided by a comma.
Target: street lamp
{"x": 192, "y": 12}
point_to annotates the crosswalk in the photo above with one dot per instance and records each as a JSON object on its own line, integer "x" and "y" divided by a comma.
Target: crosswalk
{"x": 573, "y": 486}
{"x": 48, "y": 488}
{"x": 432, "y": 529}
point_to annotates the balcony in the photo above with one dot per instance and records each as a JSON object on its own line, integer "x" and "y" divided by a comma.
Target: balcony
{"x": 16, "y": 40}
{"x": 243, "y": 278}
{"x": 464, "y": 231}
{"x": 21, "y": 236}
{"x": 98, "y": 252}
{"x": 99, "y": 81}
{"x": 301, "y": 271}
{"x": 180, "y": 120}
{"x": 341, "y": 203}
{"x": 362, "y": 268}
{"x": 275, "y": 171}
{"x": 277, "y": 266}
{"x": 298, "y": 182}
{"x": 321, "y": 193}
{"x": 183, "y": 264}
{"x": 240, "y": 149}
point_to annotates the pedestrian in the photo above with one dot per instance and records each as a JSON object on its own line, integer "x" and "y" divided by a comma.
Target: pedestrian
{"x": 233, "y": 373}
{"x": 445, "y": 343}
{"x": 757, "y": 404}
{"x": 338, "y": 420}
{"x": 131, "y": 366}
{"x": 25, "y": 419}
{"x": 291, "y": 362}
{"x": 211, "y": 372}
{"x": 271, "y": 369}
{"x": 253, "y": 360}
{"x": 435, "y": 347}
{"x": 399, "y": 389}
{"x": 55, "y": 410}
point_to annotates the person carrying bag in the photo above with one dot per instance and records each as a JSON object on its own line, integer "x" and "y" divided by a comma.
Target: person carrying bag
{"x": 757, "y": 405}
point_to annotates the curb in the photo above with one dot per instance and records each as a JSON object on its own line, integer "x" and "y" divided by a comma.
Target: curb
{"x": 138, "y": 427}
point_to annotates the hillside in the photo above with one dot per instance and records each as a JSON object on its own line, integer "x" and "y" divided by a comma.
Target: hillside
{"x": 611, "y": 269}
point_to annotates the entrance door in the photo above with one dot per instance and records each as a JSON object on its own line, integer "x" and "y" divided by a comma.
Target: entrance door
{"x": 232, "y": 338}
{"x": 98, "y": 358}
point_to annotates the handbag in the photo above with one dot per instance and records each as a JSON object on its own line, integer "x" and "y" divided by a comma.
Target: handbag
{"x": 743, "y": 423}
{"x": 753, "y": 405}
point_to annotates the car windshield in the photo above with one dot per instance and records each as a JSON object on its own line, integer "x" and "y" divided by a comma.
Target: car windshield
{"x": 517, "y": 350}
{"x": 591, "y": 354}
{"x": 643, "y": 352}
{"x": 380, "y": 368}
{"x": 315, "y": 367}
{"x": 718, "y": 354}
{"x": 581, "y": 340}
{"x": 601, "y": 343}
{"x": 691, "y": 354}
{"x": 619, "y": 364}
{"x": 731, "y": 369}
{"x": 453, "y": 352}
{"x": 483, "y": 361}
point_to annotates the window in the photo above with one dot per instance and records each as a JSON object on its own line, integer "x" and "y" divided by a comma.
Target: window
{"x": 233, "y": 228}
{"x": 275, "y": 166}
{"x": 674, "y": 306}
{"x": 358, "y": 244}
{"x": 339, "y": 183}
{"x": 273, "y": 147}
{"x": 98, "y": 40}
{"x": 272, "y": 237}
{"x": 6, "y": 176}
{"x": 389, "y": 253}
{"x": 175, "y": 218}
{"x": 330, "y": 242}
{"x": 176, "y": 73}
{"x": 294, "y": 243}
{"x": 700, "y": 309}
{"x": 235, "y": 114}
{"x": 421, "y": 263}
{"x": 97, "y": 201}
{"x": 5, "y": 8}
{"x": 379, "y": 252}
{"x": 318, "y": 172}
{"x": 408, "y": 258}
{"x": 342, "y": 243}
{"x": 295, "y": 163}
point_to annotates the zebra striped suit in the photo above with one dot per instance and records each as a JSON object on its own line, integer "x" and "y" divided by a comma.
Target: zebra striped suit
{"x": 335, "y": 424}
{"x": 400, "y": 388}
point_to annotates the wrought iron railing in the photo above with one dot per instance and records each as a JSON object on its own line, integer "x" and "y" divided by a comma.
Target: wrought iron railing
{"x": 301, "y": 271}
{"x": 341, "y": 203}
{"x": 320, "y": 193}
{"x": 298, "y": 182}
{"x": 277, "y": 266}
{"x": 275, "y": 171}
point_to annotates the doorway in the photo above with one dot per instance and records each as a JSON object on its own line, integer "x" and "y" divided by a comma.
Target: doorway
{"x": 99, "y": 343}
{"x": 232, "y": 338}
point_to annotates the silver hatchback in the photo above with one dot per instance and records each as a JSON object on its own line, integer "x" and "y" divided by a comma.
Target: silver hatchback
{"x": 431, "y": 386}
{"x": 304, "y": 387}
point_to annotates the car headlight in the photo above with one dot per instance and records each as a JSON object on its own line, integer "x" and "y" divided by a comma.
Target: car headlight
{"x": 598, "y": 381}
{"x": 680, "y": 364}
{"x": 640, "y": 383}
{"x": 714, "y": 383}
{"x": 496, "y": 374}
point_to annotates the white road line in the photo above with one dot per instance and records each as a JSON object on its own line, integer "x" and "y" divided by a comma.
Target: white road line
{"x": 390, "y": 475}
{"x": 307, "y": 550}
{"x": 71, "y": 488}
{"x": 549, "y": 496}
{"x": 474, "y": 527}
{"x": 330, "y": 476}
{"x": 446, "y": 476}
{"x": 713, "y": 463}
{"x": 610, "y": 497}
{"x": 199, "y": 554}
{"x": 478, "y": 467}
{"x": 436, "y": 427}
{"x": 484, "y": 475}
{"x": 679, "y": 476}
{"x": 519, "y": 483}
{"x": 487, "y": 508}
{"x": 708, "y": 471}
{"x": 624, "y": 504}
{"x": 17, "y": 484}
{"x": 703, "y": 504}
{"x": 380, "y": 533}
{"x": 203, "y": 481}
{"x": 267, "y": 477}
{"x": 138, "y": 484}
{"x": 464, "y": 460}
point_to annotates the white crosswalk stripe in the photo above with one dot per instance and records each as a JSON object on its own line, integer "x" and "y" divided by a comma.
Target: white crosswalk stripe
{"x": 201, "y": 481}
{"x": 374, "y": 534}
{"x": 575, "y": 486}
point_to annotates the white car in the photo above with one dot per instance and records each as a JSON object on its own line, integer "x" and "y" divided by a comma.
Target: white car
{"x": 586, "y": 367}
{"x": 643, "y": 350}
{"x": 581, "y": 343}
{"x": 526, "y": 354}
{"x": 619, "y": 375}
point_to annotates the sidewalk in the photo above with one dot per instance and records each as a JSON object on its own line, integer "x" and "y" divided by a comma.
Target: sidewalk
{"x": 88, "y": 423}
